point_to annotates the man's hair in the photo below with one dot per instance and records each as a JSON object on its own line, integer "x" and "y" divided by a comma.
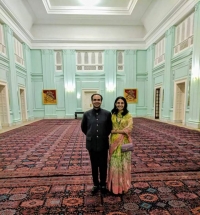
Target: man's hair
{"x": 97, "y": 95}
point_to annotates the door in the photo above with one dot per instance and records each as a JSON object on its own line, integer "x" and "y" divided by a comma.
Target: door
{"x": 86, "y": 99}
{"x": 4, "y": 118}
{"x": 157, "y": 103}
{"x": 23, "y": 104}
{"x": 180, "y": 102}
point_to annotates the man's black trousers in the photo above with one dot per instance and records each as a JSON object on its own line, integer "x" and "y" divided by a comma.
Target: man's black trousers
{"x": 99, "y": 167}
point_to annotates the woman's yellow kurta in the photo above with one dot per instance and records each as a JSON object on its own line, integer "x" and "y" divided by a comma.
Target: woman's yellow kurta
{"x": 119, "y": 167}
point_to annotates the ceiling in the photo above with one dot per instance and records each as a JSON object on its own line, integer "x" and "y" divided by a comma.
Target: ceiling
{"x": 107, "y": 12}
{"x": 128, "y": 22}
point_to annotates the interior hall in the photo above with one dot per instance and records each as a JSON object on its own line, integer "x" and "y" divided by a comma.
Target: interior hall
{"x": 54, "y": 55}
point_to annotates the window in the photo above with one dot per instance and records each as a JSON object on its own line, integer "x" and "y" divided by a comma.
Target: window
{"x": 184, "y": 34}
{"x": 58, "y": 61}
{"x": 2, "y": 41}
{"x": 18, "y": 52}
{"x": 89, "y": 60}
{"x": 159, "y": 52}
{"x": 120, "y": 61}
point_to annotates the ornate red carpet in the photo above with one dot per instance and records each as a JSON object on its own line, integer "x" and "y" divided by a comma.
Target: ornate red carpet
{"x": 45, "y": 169}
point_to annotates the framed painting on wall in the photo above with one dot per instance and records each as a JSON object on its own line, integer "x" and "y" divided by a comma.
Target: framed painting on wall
{"x": 131, "y": 95}
{"x": 49, "y": 97}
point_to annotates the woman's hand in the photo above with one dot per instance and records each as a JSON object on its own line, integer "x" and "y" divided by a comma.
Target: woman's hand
{"x": 115, "y": 131}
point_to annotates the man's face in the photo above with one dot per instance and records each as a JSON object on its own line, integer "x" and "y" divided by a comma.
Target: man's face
{"x": 96, "y": 101}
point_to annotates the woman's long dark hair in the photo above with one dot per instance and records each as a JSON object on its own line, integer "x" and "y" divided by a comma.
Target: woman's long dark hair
{"x": 115, "y": 110}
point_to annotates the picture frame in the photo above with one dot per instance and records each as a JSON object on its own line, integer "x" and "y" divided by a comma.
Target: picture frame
{"x": 49, "y": 97}
{"x": 131, "y": 95}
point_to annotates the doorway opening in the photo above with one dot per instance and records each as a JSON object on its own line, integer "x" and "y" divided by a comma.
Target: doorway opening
{"x": 86, "y": 99}
{"x": 22, "y": 94}
{"x": 179, "y": 102}
{"x": 4, "y": 106}
{"x": 157, "y": 102}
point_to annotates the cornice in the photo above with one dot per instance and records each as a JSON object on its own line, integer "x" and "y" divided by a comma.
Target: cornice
{"x": 77, "y": 10}
{"x": 182, "y": 7}
{"x": 182, "y": 55}
{"x": 170, "y": 31}
{"x": 4, "y": 59}
{"x": 47, "y": 51}
{"x": 141, "y": 75}
{"x": 159, "y": 67}
{"x": 26, "y": 47}
{"x": 113, "y": 51}
{"x": 130, "y": 52}
{"x": 90, "y": 74}
{"x": 88, "y": 46}
{"x": 176, "y": 14}
{"x": 9, "y": 19}
{"x": 21, "y": 73}
{"x": 8, "y": 29}
{"x": 158, "y": 73}
{"x": 197, "y": 6}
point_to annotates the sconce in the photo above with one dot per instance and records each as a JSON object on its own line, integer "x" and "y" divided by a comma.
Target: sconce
{"x": 110, "y": 87}
{"x": 195, "y": 73}
{"x": 78, "y": 96}
{"x": 69, "y": 87}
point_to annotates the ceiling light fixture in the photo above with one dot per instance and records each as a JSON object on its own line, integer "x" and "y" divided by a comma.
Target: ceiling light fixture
{"x": 89, "y": 3}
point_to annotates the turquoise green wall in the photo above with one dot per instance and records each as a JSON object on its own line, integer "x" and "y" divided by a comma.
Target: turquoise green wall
{"x": 139, "y": 72}
{"x": 68, "y": 102}
{"x": 194, "y": 110}
{"x": 141, "y": 82}
{"x": 37, "y": 83}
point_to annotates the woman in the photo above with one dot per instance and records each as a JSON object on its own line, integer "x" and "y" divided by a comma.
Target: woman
{"x": 119, "y": 168}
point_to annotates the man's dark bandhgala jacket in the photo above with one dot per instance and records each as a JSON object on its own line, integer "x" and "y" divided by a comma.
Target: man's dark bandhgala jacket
{"x": 97, "y": 125}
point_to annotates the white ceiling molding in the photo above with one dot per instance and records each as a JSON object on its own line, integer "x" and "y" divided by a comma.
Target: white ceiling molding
{"x": 181, "y": 9}
{"x": 174, "y": 16}
{"x": 87, "y": 43}
{"x": 9, "y": 19}
{"x": 88, "y": 46}
{"x": 93, "y": 10}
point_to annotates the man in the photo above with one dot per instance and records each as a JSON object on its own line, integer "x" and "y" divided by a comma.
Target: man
{"x": 96, "y": 125}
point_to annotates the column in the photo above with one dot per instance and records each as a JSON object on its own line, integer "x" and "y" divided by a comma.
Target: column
{"x": 168, "y": 82}
{"x": 110, "y": 69}
{"x": 13, "y": 85}
{"x": 150, "y": 87}
{"x": 194, "y": 112}
{"x": 69, "y": 69}
{"x": 29, "y": 95}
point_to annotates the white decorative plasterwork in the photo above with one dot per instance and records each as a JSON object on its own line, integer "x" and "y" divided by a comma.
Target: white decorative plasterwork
{"x": 59, "y": 7}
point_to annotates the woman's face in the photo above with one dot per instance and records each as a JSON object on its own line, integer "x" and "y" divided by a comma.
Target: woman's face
{"x": 120, "y": 104}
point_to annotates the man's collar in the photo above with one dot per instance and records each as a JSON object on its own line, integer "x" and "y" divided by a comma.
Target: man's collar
{"x": 96, "y": 110}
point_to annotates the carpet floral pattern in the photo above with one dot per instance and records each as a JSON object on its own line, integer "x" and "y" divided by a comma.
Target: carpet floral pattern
{"x": 45, "y": 169}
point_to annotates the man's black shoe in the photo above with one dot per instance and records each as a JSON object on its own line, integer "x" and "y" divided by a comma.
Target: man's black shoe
{"x": 94, "y": 190}
{"x": 103, "y": 190}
